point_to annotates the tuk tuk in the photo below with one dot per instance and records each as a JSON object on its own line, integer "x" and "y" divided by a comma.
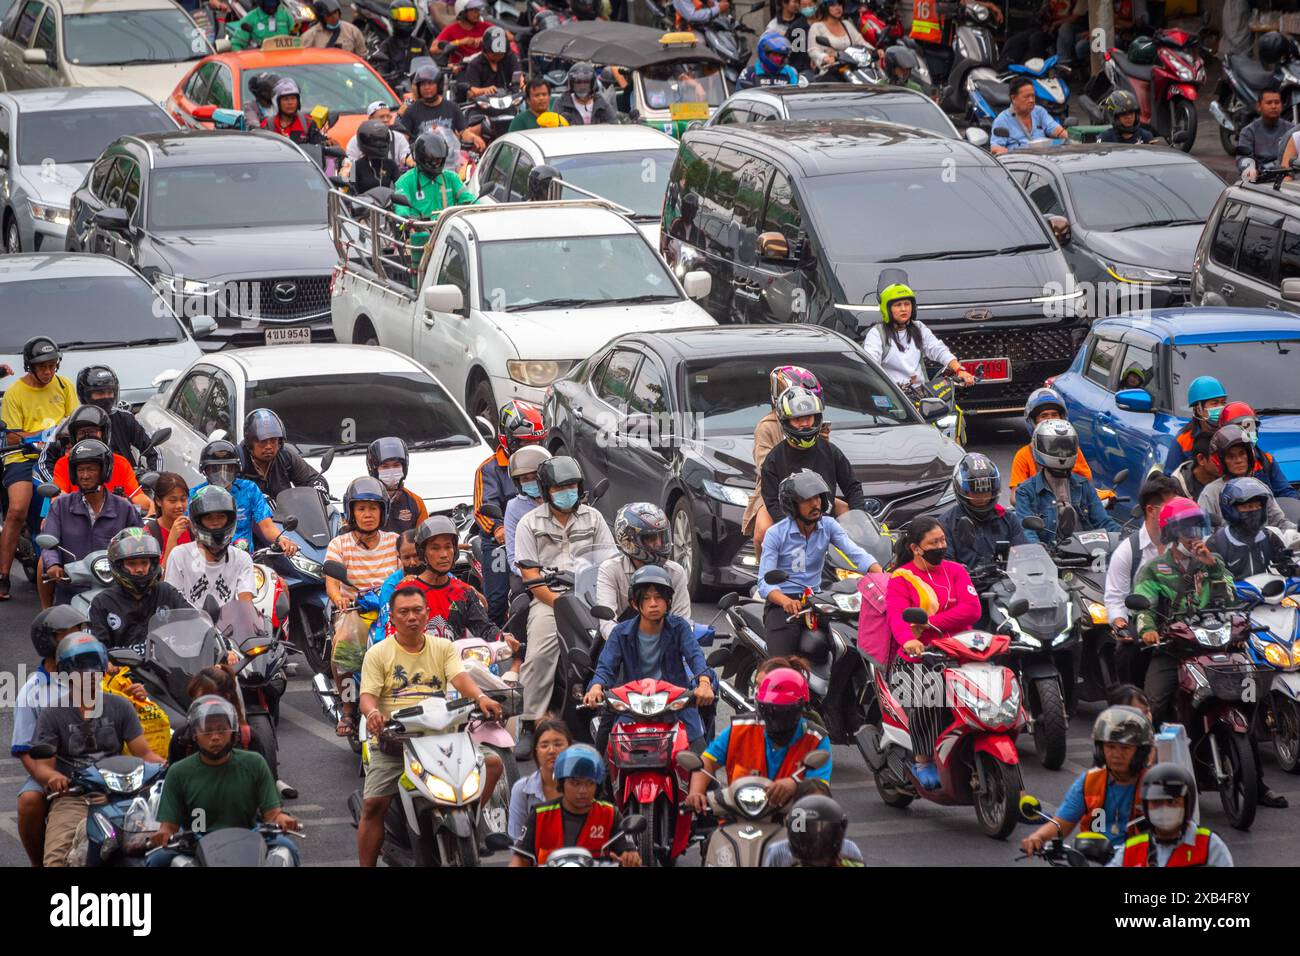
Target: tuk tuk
{"x": 674, "y": 80}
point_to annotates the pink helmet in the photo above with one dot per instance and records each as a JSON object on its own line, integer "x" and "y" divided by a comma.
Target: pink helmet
{"x": 782, "y": 687}
{"x": 1182, "y": 518}
{"x": 792, "y": 376}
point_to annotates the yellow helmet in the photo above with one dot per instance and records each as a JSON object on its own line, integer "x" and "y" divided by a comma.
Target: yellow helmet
{"x": 895, "y": 293}
{"x": 549, "y": 120}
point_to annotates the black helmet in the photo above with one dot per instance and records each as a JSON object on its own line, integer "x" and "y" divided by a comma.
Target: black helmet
{"x": 263, "y": 85}
{"x": 324, "y": 8}
{"x": 403, "y": 15}
{"x": 79, "y": 653}
{"x": 815, "y": 828}
{"x": 373, "y": 139}
{"x": 431, "y": 528}
{"x": 97, "y": 378}
{"x": 801, "y": 486}
{"x": 584, "y": 9}
{"x": 430, "y": 153}
{"x": 644, "y": 577}
{"x": 976, "y": 474}
{"x": 1142, "y": 50}
{"x": 262, "y": 424}
{"x": 1122, "y": 725}
{"x": 386, "y": 449}
{"x": 1169, "y": 781}
{"x": 426, "y": 72}
{"x": 899, "y": 57}
{"x": 637, "y": 521}
{"x": 557, "y": 471}
{"x": 366, "y": 488}
{"x": 584, "y": 74}
{"x": 38, "y": 350}
{"x": 1122, "y": 103}
{"x": 90, "y": 416}
{"x": 495, "y": 41}
{"x": 1273, "y": 49}
{"x": 91, "y": 451}
{"x": 47, "y": 625}
{"x": 212, "y": 500}
{"x": 220, "y": 454}
{"x": 135, "y": 543}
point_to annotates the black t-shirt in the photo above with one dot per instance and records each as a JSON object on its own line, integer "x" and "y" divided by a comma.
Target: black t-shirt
{"x": 368, "y": 173}
{"x": 572, "y": 824}
{"x": 824, "y": 458}
{"x": 119, "y": 620}
{"x": 479, "y": 72}
{"x": 418, "y": 118}
{"x": 79, "y": 740}
{"x": 1140, "y": 135}
{"x": 796, "y": 31}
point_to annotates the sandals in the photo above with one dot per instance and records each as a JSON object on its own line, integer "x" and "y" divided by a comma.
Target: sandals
{"x": 346, "y": 727}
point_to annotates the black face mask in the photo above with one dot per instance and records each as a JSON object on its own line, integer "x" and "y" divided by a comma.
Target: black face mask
{"x": 107, "y": 404}
{"x": 1249, "y": 523}
{"x": 934, "y": 555}
{"x": 780, "y": 723}
{"x": 415, "y": 569}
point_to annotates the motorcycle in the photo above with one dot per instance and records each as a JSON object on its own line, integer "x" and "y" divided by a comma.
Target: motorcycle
{"x": 91, "y": 574}
{"x": 261, "y": 672}
{"x": 231, "y": 847}
{"x": 1052, "y": 92}
{"x": 493, "y": 112}
{"x": 881, "y": 26}
{"x": 303, "y": 574}
{"x": 943, "y": 387}
{"x": 975, "y": 754}
{"x": 971, "y": 51}
{"x": 749, "y": 823}
{"x": 632, "y": 826}
{"x": 724, "y": 35}
{"x": 856, "y": 65}
{"x": 1238, "y": 92}
{"x": 1167, "y": 91}
{"x": 1276, "y": 626}
{"x": 1089, "y": 849}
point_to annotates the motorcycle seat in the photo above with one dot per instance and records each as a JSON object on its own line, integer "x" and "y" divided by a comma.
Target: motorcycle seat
{"x": 1252, "y": 73}
{"x": 996, "y": 93}
{"x": 753, "y": 616}
{"x": 1129, "y": 68}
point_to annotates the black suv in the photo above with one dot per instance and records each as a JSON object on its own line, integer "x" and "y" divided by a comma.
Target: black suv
{"x": 796, "y": 221}
{"x": 1249, "y": 253}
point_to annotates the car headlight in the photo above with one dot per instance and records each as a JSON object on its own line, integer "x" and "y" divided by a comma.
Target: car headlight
{"x": 307, "y": 566}
{"x": 102, "y": 570}
{"x": 58, "y": 215}
{"x": 183, "y": 286}
{"x": 472, "y": 783}
{"x": 728, "y": 494}
{"x": 1128, "y": 273}
{"x": 751, "y": 800}
{"x": 536, "y": 373}
{"x": 124, "y": 782}
{"x": 849, "y": 602}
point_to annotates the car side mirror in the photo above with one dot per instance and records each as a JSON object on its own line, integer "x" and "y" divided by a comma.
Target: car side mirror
{"x": 201, "y": 326}
{"x": 1136, "y": 602}
{"x": 774, "y": 247}
{"x": 484, "y": 427}
{"x": 1291, "y": 290}
{"x": 932, "y": 409}
{"x": 976, "y": 136}
{"x": 1135, "y": 400}
{"x": 38, "y": 57}
{"x": 444, "y": 298}
{"x": 113, "y": 219}
{"x": 1060, "y": 228}
{"x": 698, "y": 284}
{"x": 165, "y": 378}
{"x": 223, "y": 45}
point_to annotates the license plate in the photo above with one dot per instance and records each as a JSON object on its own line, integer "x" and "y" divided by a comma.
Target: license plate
{"x": 288, "y": 336}
{"x": 995, "y": 369}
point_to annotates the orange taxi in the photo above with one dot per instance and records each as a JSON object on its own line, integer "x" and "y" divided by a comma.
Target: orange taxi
{"x": 340, "y": 81}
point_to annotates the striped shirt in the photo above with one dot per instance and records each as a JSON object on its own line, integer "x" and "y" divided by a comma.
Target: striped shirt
{"x": 367, "y": 567}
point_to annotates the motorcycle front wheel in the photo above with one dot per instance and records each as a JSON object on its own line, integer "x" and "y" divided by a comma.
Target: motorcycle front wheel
{"x": 262, "y": 741}
{"x": 1182, "y": 124}
{"x": 1050, "y": 724}
{"x": 1286, "y": 733}
{"x": 1239, "y": 794}
{"x": 997, "y": 805}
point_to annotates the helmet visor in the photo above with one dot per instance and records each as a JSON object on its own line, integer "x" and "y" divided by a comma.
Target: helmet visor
{"x": 1191, "y": 527}
{"x": 403, "y": 14}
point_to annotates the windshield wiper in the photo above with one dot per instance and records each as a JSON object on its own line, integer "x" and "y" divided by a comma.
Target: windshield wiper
{"x": 348, "y": 448}
{"x": 1277, "y": 410}
{"x": 139, "y": 61}
{"x": 1157, "y": 223}
{"x": 551, "y": 304}
{"x": 154, "y": 341}
{"x": 82, "y": 344}
{"x": 971, "y": 253}
{"x": 647, "y": 297}
{"x": 451, "y": 441}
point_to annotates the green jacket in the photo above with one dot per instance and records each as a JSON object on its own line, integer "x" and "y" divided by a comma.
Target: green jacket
{"x": 1161, "y": 582}
{"x": 257, "y": 26}
{"x": 430, "y": 196}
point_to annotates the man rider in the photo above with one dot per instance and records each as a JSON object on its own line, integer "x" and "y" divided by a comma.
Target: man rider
{"x": 518, "y": 424}
{"x": 388, "y": 461}
{"x": 267, "y": 19}
{"x": 392, "y": 60}
{"x": 375, "y": 166}
{"x": 260, "y": 107}
{"x": 98, "y": 385}
{"x": 523, "y": 472}
{"x": 976, "y": 482}
{"x": 208, "y": 564}
{"x": 1246, "y": 545}
{"x": 288, "y": 121}
{"x": 1263, "y": 465}
{"x": 429, "y": 188}
{"x": 799, "y": 411}
{"x": 1261, "y": 143}
{"x": 1055, "y": 447}
{"x": 90, "y": 421}
{"x": 580, "y": 106}
{"x": 219, "y": 463}
{"x": 429, "y": 108}
{"x": 1199, "y": 470}
{"x": 1206, "y": 398}
{"x": 643, "y": 538}
{"x": 1169, "y": 807}
{"x": 268, "y": 462}
{"x": 815, "y": 836}
{"x": 772, "y": 68}
{"x": 900, "y": 64}
{"x": 495, "y": 70}
{"x": 1122, "y": 110}
{"x": 332, "y": 31}
{"x": 119, "y": 614}
{"x": 537, "y": 97}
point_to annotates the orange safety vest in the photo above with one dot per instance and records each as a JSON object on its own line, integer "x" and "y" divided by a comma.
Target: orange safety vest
{"x": 926, "y": 27}
{"x": 1137, "y": 850}
{"x": 1094, "y": 799}
{"x": 747, "y": 750}
{"x": 595, "y": 831}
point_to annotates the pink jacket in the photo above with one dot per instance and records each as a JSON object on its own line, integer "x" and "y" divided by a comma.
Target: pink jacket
{"x": 959, "y": 607}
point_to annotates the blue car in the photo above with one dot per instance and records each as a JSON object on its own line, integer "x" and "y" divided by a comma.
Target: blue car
{"x": 1126, "y": 391}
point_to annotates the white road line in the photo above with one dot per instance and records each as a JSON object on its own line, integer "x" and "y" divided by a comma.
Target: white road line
{"x": 312, "y": 725}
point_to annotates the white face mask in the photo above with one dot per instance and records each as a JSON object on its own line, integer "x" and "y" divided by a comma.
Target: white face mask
{"x": 1165, "y": 818}
{"x": 391, "y": 477}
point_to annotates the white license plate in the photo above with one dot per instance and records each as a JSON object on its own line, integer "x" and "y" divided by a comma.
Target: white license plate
{"x": 288, "y": 336}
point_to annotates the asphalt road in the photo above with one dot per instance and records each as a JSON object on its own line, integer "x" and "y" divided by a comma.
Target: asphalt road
{"x": 324, "y": 770}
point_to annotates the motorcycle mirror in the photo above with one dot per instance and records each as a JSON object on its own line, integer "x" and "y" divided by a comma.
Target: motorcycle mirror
{"x": 326, "y": 460}
{"x": 336, "y": 570}
{"x": 148, "y": 480}
{"x": 212, "y": 607}
{"x": 580, "y": 657}
{"x": 775, "y": 576}
{"x": 1095, "y": 847}
{"x": 41, "y": 751}
{"x": 598, "y": 491}
{"x": 824, "y": 40}
{"x": 914, "y": 615}
{"x": 46, "y": 542}
{"x": 490, "y": 511}
{"x": 498, "y": 841}
{"x": 159, "y": 437}
{"x": 689, "y": 762}
{"x": 1274, "y": 588}
{"x": 484, "y": 427}
{"x": 890, "y": 277}
{"x": 729, "y": 600}
{"x": 965, "y": 531}
{"x": 1121, "y": 476}
{"x": 47, "y": 489}
{"x": 1031, "y": 809}
{"x": 1018, "y": 607}
{"x": 1001, "y": 131}
{"x": 718, "y": 657}
{"x": 633, "y": 824}
{"x": 124, "y": 657}
{"x": 1033, "y": 523}
{"x": 540, "y": 179}
{"x": 1067, "y": 524}
{"x": 602, "y": 613}
{"x": 1136, "y": 602}
{"x": 873, "y": 506}
{"x": 289, "y": 524}
{"x": 814, "y": 759}
{"x": 216, "y": 434}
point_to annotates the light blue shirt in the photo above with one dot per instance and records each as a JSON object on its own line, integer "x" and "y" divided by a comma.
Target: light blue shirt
{"x": 1041, "y": 121}
{"x": 802, "y": 558}
{"x": 524, "y": 796}
{"x": 516, "y": 508}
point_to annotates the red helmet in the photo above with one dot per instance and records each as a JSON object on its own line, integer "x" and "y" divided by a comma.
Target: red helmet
{"x": 1243, "y": 416}
{"x": 520, "y": 423}
{"x": 783, "y": 687}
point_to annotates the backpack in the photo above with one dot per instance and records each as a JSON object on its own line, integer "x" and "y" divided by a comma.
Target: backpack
{"x": 873, "y": 627}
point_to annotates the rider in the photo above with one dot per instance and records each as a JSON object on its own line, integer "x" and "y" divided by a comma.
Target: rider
{"x": 1237, "y": 457}
{"x": 260, "y": 106}
{"x": 495, "y": 70}
{"x": 518, "y": 424}
{"x": 98, "y": 385}
{"x": 219, "y": 786}
{"x": 376, "y": 165}
{"x": 119, "y": 614}
{"x": 772, "y": 745}
{"x": 1105, "y": 799}
{"x": 698, "y": 12}
{"x": 268, "y": 462}
{"x": 772, "y": 67}
{"x": 388, "y": 460}
{"x": 1168, "y": 807}
{"x": 288, "y": 121}
{"x": 643, "y": 538}
{"x": 219, "y": 463}
{"x": 331, "y": 31}
{"x": 577, "y": 819}
{"x": 429, "y": 108}
{"x": 1245, "y": 544}
{"x": 1206, "y": 398}
{"x": 900, "y": 64}
{"x": 429, "y": 188}
{"x": 580, "y": 106}
{"x": 32, "y": 404}
{"x": 90, "y": 421}
{"x": 1266, "y": 468}
{"x": 208, "y": 564}
{"x": 1200, "y": 468}
{"x": 815, "y": 836}
{"x": 392, "y": 59}
{"x": 901, "y": 344}
{"x": 792, "y": 22}
{"x": 1055, "y": 447}
{"x": 976, "y": 482}
{"x": 537, "y": 97}
{"x": 523, "y": 472}
{"x": 455, "y": 609}
{"x": 558, "y": 532}
{"x": 1043, "y": 404}
{"x": 1023, "y": 121}
{"x": 800, "y": 414}
{"x": 267, "y": 19}
{"x": 1123, "y": 112}
{"x": 1261, "y": 143}
{"x": 797, "y": 544}
{"x": 464, "y": 36}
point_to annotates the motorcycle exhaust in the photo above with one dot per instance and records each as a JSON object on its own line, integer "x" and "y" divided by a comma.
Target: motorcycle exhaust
{"x": 326, "y": 696}
{"x": 733, "y": 699}
{"x": 1221, "y": 117}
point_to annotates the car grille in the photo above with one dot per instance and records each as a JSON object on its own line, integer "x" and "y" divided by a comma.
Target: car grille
{"x": 283, "y": 299}
{"x": 1035, "y": 353}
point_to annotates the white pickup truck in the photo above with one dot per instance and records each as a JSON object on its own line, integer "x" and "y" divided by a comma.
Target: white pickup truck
{"x": 505, "y": 298}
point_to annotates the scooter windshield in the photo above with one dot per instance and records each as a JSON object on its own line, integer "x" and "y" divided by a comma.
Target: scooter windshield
{"x": 1035, "y": 579}
{"x": 865, "y": 533}
{"x": 306, "y": 505}
{"x": 243, "y": 625}
{"x": 182, "y": 639}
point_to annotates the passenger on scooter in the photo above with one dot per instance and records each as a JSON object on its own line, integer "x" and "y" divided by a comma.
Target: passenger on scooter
{"x": 388, "y": 461}
{"x": 1023, "y": 121}
{"x": 518, "y": 424}
{"x": 410, "y": 565}
{"x": 1265, "y": 467}
{"x": 260, "y": 106}
{"x": 1055, "y": 447}
{"x": 495, "y": 69}
{"x": 1263, "y": 140}
{"x": 98, "y": 385}
{"x": 800, "y": 414}
{"x": 772, "y": 745}
{"x": 331, "y": 31}
{"x": 85, "y": 520}
{"x": 376, "y": 166}
{"x": 87, "y": 422}
{"x": 399, "y": 148}
{"x": 976, "y": 482}
{"x": 1124, "y": 114}
{"x": 1105, "y": 799}
{"x": 87, "y": 725}
{"x": 577, "y": 819}
{"x": 831, "y": 23}
{"x": 208, "y": 564}
{"x": 582, "y": 105}
{"x": 397, "y": 673}
{"x": 267, "y": 19}
{"x": 772, "y": 67}
{"x": 791, "y": 22}
{"x": 901, "y": 344}
{"x": 33, "y": 403}
{"x": 554, "y": 535}
{"x": 643, "y": 538}
{"x": 1244, "y": 543}
{"x": 268, "y": 462}
{"x": 220, "y": 786}
{"x": 1170, "y": 839}
{"x": 1206, "y": 398}
{"x": 540, "y": 786}
{"x": 288, "y": 121}
{"x": 1043, "y": 404}
{"x": 1199, "y": 470}
{"x": 1237, "y": 457}
{"x": 923, "y": 577}
{"x": 119, "y": 615}
{"x": 523, "y": 472}
{"x": 455, "y": 609}
{"x": 815, "y": 829}
{"x": 464, "y": 36}
{"x": 219, "y": 463}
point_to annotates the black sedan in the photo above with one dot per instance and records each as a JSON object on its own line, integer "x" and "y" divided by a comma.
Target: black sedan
{"x": 669, "y": 417}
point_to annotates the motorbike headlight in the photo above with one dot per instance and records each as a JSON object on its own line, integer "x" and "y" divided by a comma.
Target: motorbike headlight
{"x": 852, "y": 603}
{"x": 1128, "y": 273}
{"x": 1213, "y": 636}
{"x": 58, "y": 215}
{"x": 124, "y": 782}
{"x": 307, "y": 566}
{"x": 1061, "y": 638}
{"x": 647, "y": 705}
{"x": 751, "y": 800}
{"x": 102, "y": 570}
{"x": 538, "y": 373}
{"x": 472, "y": 783}
{"x": 728, "y": 494}
{"x": 440, "y": 788}
{"x": 481, "y": 655}
{"x": 259, "y": 578}
{"x": 1029, "y": 639}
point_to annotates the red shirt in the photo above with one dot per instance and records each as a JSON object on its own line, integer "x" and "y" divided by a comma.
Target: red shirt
{"x": 162, "y": 534}
{"x": 458, "y": 31}
{"x": 120, "y": 482}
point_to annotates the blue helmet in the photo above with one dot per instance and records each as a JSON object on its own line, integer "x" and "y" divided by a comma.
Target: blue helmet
{"x": 580, "y": 762}
{"x": 366, "y": 488}
{"x": 772, "y": 44}
{"x": 1239, "y": 490}
{"x": 1203, "y": 389}
{"x": 1039, "y": 399}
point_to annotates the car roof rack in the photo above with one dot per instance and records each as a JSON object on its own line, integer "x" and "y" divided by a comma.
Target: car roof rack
{"x": 1276, "y": 178}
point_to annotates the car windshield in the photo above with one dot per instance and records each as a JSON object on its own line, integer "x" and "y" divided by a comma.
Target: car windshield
{"x": 1142, "y": 197}
{"x": 320, "y": 411}
{"x": 126, "y": 37}
{"x": 125, "y": 310}
{"x": 730, "y": 395}
{"x": 636, "y": 180}
{"x": 908, "y": 110}
{"x": 668, "y": 83}
{"x": 342, "y": 87}
{"x": 79, "y": 136}
{"x": 573, "y": 272}
{"x": 236, "y": 195}
{"x": 1261, "y": 374}
{"x": 982, "y": 212}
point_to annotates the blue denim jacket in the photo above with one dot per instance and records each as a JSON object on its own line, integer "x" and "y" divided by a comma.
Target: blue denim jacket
{"x": 1034, "y": 498}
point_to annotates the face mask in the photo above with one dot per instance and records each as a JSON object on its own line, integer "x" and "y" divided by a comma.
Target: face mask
{"x": 531, "y": 489}
{"x": 807, "y": 11}
{"x": 223, "y": 476}
{"x": 391, "y": 477}
{"x": 1212, "y": 414}
{"x": 334, "y": 26}
{"x": 105, "y": 403}
{"x": 565, "y": 500}
{"x": 1251, "y": 522}
{"x": 934, "y": 555}
{"x": 414, "y": 568}
{"x": 1165, "y": 818}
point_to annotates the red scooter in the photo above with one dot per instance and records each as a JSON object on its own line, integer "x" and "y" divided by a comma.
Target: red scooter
{"x": 976, "y": 753}
{"x": 1166, "y": 90}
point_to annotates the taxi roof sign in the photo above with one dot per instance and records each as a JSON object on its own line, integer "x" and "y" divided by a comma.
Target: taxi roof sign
{"x": 281, "y": 43}
{"x": 680, "y": 38}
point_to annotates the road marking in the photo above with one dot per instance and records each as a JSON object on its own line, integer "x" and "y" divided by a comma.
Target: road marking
{"x": 312, "y": 725}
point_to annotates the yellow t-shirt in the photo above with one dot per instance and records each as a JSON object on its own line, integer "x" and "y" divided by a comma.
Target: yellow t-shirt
{"x": 399, "y": 678}
{"x": 28, "y": 409}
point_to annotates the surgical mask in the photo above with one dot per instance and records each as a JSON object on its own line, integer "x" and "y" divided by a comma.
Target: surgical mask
{"x": 391, "y": 477}
{"x": 565, "y": 500}
{"x": 934, "y": 555}
{"x": 1165, "y": 818}
{"x": 1212, "y": 414}
{"x": 807, "y": 11}
{"x": 531, "y": 489}
{"x": 335, "y": 26}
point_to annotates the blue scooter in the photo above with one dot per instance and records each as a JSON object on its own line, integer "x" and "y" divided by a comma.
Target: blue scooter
{"x": 1052, "y": 92}
{"x": 1273, "y": 646}
{"x": 304, "y": 573}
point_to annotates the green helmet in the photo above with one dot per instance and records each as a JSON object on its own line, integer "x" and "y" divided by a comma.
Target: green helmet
{"x": 1142, "y": 51}
{"x": 895, "y": 293}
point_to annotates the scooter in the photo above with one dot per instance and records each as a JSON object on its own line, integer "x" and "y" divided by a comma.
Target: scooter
{"x": 261, "y": 672}
{"x": 749, "y": 823}
{"x": 232, "y": 847}
{"x": 1167, "y": 91}
{"x": 971, "y": 50}
{"x": 91, "y": 574}
{"x": 943, "y": 387}
{"x": 1088, "y": 849}
{"x": 1276, "y": 626}
{"x": 633, "y": 826}
{"x": 881, "y": 26}
{"x": 975, "y": 754}
{"x": 1052, "y": 92}
{"x": 1237, "y": 94}
{"x": 856, "y": 65}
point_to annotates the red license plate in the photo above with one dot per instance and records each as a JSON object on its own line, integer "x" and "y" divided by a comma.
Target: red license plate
{"x": 995, "y": 369}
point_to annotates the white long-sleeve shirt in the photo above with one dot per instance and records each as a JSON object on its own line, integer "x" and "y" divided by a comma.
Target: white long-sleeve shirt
{"x": 1119, "y": 573}
{"x": 905, "y": 362}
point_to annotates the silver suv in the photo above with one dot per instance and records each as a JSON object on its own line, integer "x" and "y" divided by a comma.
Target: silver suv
{"x": 1249, "y": 252}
